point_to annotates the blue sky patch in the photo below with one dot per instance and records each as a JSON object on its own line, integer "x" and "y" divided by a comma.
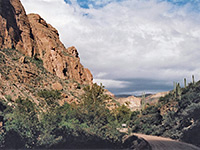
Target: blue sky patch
{"x": 195, "y": 4}
{"x": 183, "y": 2}
{"x": 68, "y": 2}
{"x": 94, "y": 3}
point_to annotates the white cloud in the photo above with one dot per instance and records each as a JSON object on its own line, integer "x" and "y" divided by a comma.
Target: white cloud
{"x": 128, "y": 39}
{"x": 112, "y": 83}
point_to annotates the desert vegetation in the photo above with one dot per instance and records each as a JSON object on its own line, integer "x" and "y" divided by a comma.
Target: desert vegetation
{"x": 174, "y": 116}
{"x": 32, "y": 115}
{"x": 88, "y": 125}
{"x": 48, "y": 99}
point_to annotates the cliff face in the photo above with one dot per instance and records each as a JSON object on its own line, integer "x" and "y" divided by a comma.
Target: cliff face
{"x": 32, "y": 36}
{"x": 15, "y": 31}
{"x": 65, "y": 63}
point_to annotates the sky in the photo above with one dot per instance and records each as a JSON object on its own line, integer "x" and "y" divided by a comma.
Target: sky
{"x": 131, "y": 46}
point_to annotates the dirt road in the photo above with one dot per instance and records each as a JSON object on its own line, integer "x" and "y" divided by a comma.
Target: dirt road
{"x": 159, "y": 143}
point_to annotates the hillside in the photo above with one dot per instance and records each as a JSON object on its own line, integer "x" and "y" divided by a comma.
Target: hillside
{"x": 136, "y": 103}
{"x": 41, "y": 110}
{"x": 47, "y": 98}
{"x": 24, "y": 76}
{"x": 176, "y": 115}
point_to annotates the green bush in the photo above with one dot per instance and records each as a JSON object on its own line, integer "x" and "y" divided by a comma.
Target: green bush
{"x": 88, "y": 125}
{"x": 123, "y": 114}
{"x": 23, "y": 121}
{"x": 50, "y": 96}
{"x": 96, "y": 115}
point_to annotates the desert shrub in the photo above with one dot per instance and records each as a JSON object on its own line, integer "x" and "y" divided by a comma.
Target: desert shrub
{"x": 150, "y": 109}
{"x": 179, "y": 121}
{"x": 8, "y": 97}
{"x": 88, "y": 125}
{"x": 23, "y": 122}
{"x": 123, "y": 114}
{"x": 96, "y": 115}
{"x": 50, "y": 96}
{"x": 38, "y": 62}
{"x": 49, "y": 126}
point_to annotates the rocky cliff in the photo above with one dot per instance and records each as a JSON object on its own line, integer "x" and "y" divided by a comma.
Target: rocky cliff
{"x": 134, "y": 103}
{"x": 15, "y": 31}
{"x": 32, "y": 36}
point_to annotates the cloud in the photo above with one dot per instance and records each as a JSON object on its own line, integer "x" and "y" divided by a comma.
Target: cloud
{"x": 123, "y": 40}
{"x": 139, "y": 86}
{"x": 112, "y": 83}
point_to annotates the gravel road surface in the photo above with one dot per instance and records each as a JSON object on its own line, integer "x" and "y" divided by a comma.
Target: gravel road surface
{"x": 160, "y": 143}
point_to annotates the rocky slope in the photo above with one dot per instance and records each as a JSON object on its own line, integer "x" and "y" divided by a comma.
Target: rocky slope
{"x": 151, "y": 99}
{"x": 176, "y": 115}
{"x": 134, "y": 103}
{"x": 24, "y": 76}
{"x": 33, "y": 112}
{"x": 33, "y": 59}
{"x": 32, "y": 36}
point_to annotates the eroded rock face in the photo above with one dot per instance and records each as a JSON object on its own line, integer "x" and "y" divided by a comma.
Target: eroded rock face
{"x": 32, "y": 36}
{"x": 65, "y": 63}
{"x": 15, "y": 31}
{"x": 134, "y": 103}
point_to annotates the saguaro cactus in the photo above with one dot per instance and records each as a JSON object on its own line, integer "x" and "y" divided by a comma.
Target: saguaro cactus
{"x": 178, "y": 91}
{"x": 193, "y": 79}
{"x": 185, "y": 83}
{"x": 174, "y": 86}
{"x": 143, "y": 101}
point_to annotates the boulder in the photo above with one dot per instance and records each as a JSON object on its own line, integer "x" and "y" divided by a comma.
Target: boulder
{"x": 57, "y": 86}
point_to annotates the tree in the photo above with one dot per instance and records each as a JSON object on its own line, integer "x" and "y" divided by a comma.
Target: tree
{"x": 123, "y": 114}
{"x": 23, "y": 120}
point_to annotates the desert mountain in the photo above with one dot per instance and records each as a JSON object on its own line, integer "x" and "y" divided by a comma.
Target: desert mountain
{"x": 135, "y": 103}
{"x": 32, "y": 36}
{"x": 48, "y": 100}
{"x": 41, "y": 83}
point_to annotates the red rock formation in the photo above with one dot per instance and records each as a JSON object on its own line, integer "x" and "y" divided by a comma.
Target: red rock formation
{"x": 32, "y": 36}
{"x": 63, "y": 62}
{"x": 15, "y": 31}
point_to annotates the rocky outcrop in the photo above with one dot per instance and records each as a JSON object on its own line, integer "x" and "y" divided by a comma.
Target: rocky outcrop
{"x": 15, "y": 31}
{"x": 25, "y": 77}
{"x": 57, "y": 86}
{"x": 151, "y": 99}
{"x": 32, "y": 36}
{"x": 134, "y": 103}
